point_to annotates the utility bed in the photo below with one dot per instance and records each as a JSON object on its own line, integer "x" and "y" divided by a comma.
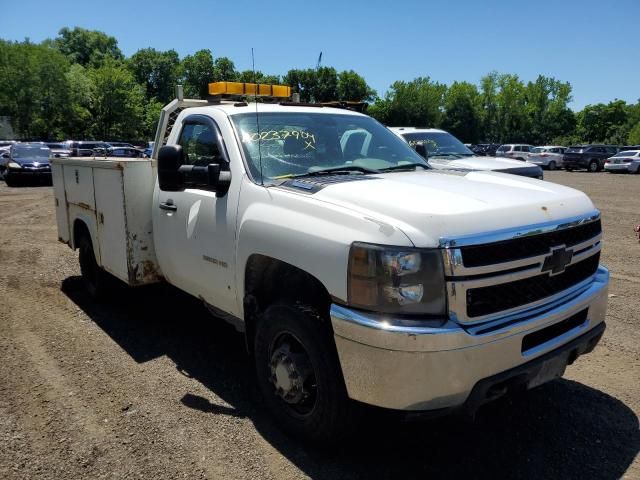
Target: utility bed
{"x": 113, "y": 197}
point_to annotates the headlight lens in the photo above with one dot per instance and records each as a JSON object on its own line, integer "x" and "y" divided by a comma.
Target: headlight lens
{"x": 14, "y": 165}
{"x": 396, "y": 280}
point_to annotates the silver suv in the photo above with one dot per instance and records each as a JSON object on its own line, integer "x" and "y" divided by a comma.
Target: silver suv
{"x": 517, "y": 151}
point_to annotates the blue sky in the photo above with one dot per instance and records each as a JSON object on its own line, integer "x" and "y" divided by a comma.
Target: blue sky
{"x": 594, "y": 45}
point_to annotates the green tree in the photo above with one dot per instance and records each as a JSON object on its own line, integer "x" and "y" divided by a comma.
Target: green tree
{"x": 224, "y": 70}
{"x": 634, "y": 135}
{"x": 547, "y": 108}
{"x": 418, "y": 103}
{"x": 462, "y": 111}
{"x": 157, "y": 71}
{"x": 511, "y": 115}
{"x": 197, "y": 73}
{"x": 33, "y": 88}
{"x": 117, "y": 104}
{"x": 314, "y": 85}
{"x": 353, "y": 87}
{"x": 489, "y": 107}
{"x": 602, "y": 123}
{"x": 87, "y": 47}
{"x": 248, "y": 76}
{"x": 78, "y": 114}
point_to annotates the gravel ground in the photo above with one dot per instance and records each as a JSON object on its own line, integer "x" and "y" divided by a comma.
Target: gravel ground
{"x": 152, "y": 387}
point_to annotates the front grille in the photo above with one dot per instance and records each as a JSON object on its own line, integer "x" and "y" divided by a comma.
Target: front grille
{"x": 496, "y": 298}
{"x": 519, "y": 248}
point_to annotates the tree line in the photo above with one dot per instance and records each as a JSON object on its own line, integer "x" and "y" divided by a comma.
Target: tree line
{"x": 80, "y": 85}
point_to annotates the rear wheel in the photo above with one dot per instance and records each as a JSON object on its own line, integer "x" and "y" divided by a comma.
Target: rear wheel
{"x": 299, "y": 374}
{"x": 96, "y": 280}
{"x": 593, "y": 166}
{"x": 552, "y": 165}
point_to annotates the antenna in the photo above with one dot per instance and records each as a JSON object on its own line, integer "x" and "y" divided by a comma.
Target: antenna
{"x": 255, "y": 80}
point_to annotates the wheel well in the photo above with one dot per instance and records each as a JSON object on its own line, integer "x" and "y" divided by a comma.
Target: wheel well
{"x": 80, "y": 229}
{"x": 268, "y": 280}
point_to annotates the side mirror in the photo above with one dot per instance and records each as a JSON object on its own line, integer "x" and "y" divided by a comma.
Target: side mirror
{"x": 5, "y": 155}
{"x": 170, "y": 159}
{"x": 175, "y": 176}
{"x": 209, "y": 177}
{"x": 421, "y": 149}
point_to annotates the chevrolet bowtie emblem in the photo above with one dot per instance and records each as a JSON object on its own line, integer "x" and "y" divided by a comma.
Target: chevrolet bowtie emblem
{"x": 558, "y": 260}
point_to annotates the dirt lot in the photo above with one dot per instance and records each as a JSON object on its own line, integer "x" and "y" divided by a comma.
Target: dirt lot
{"x": 152, "y": 387}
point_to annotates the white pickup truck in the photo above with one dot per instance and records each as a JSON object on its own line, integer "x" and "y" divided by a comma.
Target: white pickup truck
{"x": 355, "y": 270}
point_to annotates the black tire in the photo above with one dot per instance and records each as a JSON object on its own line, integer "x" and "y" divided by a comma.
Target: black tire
{"x": 323, "y": 414}
{"x": 552, "y": 165}
{"x": 594, "y": 166}
{"x": 96, "y": 280}
{"x": 11, "y": 181}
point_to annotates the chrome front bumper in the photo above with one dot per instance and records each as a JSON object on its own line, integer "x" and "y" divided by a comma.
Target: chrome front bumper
{"x": 414, "y": 366}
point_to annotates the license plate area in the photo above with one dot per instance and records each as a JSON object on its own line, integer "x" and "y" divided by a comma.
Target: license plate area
{"x": 550, "y": 370}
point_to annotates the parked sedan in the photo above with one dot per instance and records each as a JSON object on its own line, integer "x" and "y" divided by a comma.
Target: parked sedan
{"x": 27, "y": 161}
{"x": 627, "y": 161}
{"x": 549, "y": 156}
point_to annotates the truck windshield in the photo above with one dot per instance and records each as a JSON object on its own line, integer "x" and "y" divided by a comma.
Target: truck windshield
{"x": 294, "y": 144}
{"x": 439, "y": 144}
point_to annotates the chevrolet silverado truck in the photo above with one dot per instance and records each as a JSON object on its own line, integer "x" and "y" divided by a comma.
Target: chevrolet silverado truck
{"x": 358, "y": 274}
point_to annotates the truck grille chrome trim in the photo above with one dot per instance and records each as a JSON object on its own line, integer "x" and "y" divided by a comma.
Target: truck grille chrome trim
{"x": 563, "y": 256}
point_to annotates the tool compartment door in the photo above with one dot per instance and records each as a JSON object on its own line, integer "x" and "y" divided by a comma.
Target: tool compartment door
{"x": 111, "y": 220}
{"x": 62, "y": 216}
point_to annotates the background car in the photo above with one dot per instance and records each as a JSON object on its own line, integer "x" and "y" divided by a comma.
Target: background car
{"x": 627, "y": 161}
{"x": 548, "y": 156}
{"x": 149, "y": 150}
{"x": 517, "y": 151}
{"x": 589, "y": 157}
{"x": 58, "y": 149}
{"x": 444, "y": 151}
{"x": 125, "y": 152}
{"x": 84, "y": 148}
{"x": 485, "y": 149}
{"x": 27, "y": 161}
{"x": 629, "y": 147}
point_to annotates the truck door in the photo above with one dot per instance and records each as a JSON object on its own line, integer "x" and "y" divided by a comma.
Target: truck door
{"x": 194, "y": 231}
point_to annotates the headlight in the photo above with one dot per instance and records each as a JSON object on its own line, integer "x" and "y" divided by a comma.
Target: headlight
{"x": 14, "y": 165}
{"x": 397, "y": 280}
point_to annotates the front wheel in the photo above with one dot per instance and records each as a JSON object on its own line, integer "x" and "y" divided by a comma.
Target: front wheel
{"x": 10, "y": 180}
{"x": 593, "y": 166}
{"x": 299, "y": 373}
{"x": 552, "y": 165}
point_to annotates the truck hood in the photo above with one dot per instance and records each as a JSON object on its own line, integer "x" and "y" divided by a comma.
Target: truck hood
{"x": 431, "y": 205}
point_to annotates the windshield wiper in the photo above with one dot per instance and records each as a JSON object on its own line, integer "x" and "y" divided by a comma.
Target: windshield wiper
{"x": 340, "y": 170}
{"x": 406, "y": 166}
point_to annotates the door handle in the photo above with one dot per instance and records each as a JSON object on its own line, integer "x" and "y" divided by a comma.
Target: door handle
{"x": 168, "y": 206}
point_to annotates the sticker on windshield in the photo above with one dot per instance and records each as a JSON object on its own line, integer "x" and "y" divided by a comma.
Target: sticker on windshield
{"x": 308, "y": 139}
